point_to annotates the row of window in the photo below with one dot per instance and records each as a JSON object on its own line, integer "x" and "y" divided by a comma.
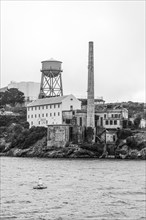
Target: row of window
{"x": 43, "y": 115}
{"x": 40, "y": 123}
{"x": 113, "y": 116}
{"x": 111, "y": 122}
{"x": 44, "y": 107}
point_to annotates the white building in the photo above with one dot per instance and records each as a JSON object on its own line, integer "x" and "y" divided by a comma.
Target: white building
{"x": 48, "y": 111}
{"x": 30, "y": 89}
{"x": 142, "y": 123}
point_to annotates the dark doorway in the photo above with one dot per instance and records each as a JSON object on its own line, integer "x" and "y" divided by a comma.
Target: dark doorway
{"x": 101, "y": 121}
{"x": 70, "y": 133}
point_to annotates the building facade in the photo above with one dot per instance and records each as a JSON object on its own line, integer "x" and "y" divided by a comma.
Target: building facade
{"x": 111, "y": 118}
{"x": 108, "y": 118}
{"x": 48, "y": 111}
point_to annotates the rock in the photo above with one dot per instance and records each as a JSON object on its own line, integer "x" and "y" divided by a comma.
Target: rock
{"x": 124, "y": 150}
{"x": 104, "y": 155}
{"x": 134, "y": 154}
{"x": 143, "y": 153}
{"x": 121, "y": 143}
{"x": 137, "y": 141}
{"x": 2, "y": 148}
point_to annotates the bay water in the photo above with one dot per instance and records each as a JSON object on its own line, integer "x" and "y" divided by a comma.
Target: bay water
{"x": 76, "y": 189}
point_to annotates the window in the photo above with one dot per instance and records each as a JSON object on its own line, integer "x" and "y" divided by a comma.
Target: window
{"x": 39, "y": 115}
{"x": 116, "y": 116}
{"x": 112, "y": 115}
{"x": 50, "y": 106}
{"x": 46, "y": 122}
{"x": 31, "y": 122}
{"x": 106, "y": 122}
{"x": 80, "y": 121}
{"x": 54, "y": 114}
{"x": 58, "y": 113}
{"x": 32, "y": 108}
{"x": 71, "y": 107}
{"x": 50, "y": 114}
{"x": 31, "y": 116}
{"x": 35, "y": 115}
{"x": 71, "y": 99}
{"x": 39, "y": 122}
{"x": 28, "y": 109}
{"x": 35, "y": 108}
{"x": 46, "y": 114}
{"x": 46, "y": 107}
{"x": 42, "y": 107}
{"x": 104, "y": 115}
{"x": 28, "y": 116}
{"x": 54, "y": 106}
{"x": 42, "y": 115}
{"x": 111, "y": 122}
{"x": 58, "y": 105}
{"x": 115, "y": 122}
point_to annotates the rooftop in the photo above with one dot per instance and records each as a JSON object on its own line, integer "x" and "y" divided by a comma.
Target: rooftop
{"x": 46, "y": 101}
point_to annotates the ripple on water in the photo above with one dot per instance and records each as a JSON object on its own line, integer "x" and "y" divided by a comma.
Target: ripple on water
{"x": 76, "y": 189}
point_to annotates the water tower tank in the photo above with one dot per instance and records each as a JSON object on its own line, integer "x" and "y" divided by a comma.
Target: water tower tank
{"x": 51, "y": 65}
{"x": 51, "y": 81}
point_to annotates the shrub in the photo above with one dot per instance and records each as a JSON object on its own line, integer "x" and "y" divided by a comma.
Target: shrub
{"x": 28, "y": 137}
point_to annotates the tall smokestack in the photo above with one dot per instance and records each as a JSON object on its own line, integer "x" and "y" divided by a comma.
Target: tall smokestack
{"x": 90, "y": 94}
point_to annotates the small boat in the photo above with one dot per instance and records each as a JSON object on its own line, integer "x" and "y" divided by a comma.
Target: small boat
{"x": 40, "y": 185}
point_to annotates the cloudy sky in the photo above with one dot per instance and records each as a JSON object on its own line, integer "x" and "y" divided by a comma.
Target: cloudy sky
{"x": 33, "y": 31}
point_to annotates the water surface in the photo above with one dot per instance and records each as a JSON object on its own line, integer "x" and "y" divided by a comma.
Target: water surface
{"x": 76, "y": 189}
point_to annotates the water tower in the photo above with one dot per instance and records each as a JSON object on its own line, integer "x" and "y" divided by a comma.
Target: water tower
{"x": 51, "y": 81}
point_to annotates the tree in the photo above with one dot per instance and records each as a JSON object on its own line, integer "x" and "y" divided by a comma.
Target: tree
{"x": 11, "y": 96}
{"x": 137, "y": 121}
{"x": 2, "y": 99}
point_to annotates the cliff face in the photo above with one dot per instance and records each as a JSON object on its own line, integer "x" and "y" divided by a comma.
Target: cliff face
{"x": 19, "y": 142}
{"x": 39, "y": 149}
{"x": 132, "y": 147}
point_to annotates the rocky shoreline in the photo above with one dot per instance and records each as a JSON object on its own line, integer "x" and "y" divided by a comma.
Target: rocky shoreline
{"x": 132, "y": 147}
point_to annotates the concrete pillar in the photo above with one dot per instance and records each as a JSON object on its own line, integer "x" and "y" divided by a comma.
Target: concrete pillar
{"x": 90, "y": 94}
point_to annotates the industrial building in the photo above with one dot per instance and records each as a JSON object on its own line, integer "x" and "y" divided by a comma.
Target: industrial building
{"x": 49, "y": 111}
{"x": 66, "y": 116}
{"x": 106, "y": 118}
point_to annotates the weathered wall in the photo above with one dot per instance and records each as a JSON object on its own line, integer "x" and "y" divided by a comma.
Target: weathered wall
{"x": 57, "y": 135}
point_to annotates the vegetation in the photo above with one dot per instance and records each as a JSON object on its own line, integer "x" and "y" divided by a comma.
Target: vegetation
{"x": 23, "y": 138}
{"x": 137, "y": 121}
{"x": 12, "y": 97}
{"x": 7, "y": 120}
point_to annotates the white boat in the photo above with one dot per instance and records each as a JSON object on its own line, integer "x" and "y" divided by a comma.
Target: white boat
{"x": 40, "y": 185}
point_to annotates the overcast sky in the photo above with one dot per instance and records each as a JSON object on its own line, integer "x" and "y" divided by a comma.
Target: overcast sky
{"x": 33, "y": 31}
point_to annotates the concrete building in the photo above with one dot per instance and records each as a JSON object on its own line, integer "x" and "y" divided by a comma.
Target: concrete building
{"x": 49, "y": 111}
{"x": 30, "y": 89}
{"x": 111, "y": 118}
{"x": 108, "y": 118}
